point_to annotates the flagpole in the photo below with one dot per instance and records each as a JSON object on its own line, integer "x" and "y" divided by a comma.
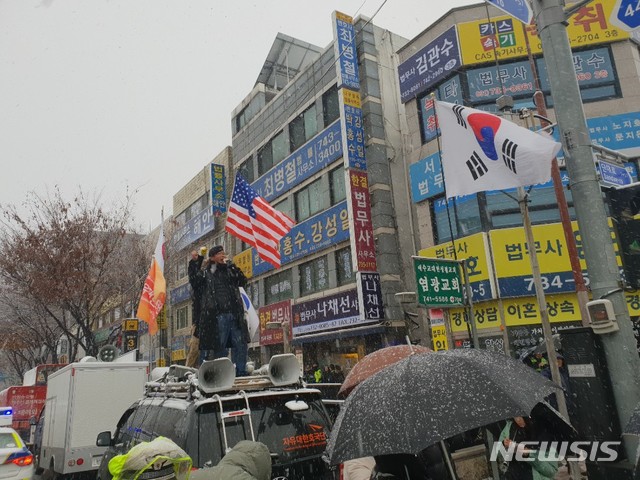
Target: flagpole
{"x": 471, "y": 325}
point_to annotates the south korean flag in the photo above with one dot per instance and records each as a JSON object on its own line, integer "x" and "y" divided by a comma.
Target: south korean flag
{"x": 481, "y": 151}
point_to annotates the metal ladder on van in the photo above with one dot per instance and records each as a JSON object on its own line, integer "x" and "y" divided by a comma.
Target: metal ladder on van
{"x": 234, "y": 414}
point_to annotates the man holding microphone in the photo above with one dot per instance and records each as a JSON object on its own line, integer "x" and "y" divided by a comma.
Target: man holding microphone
{"x": 223, "y": 323}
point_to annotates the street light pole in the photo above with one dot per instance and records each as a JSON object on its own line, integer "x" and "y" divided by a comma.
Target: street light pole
{"x": 620, "y": 348}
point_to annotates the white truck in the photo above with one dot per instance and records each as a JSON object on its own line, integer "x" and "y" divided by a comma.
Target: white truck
{"x": 84, "y": 399}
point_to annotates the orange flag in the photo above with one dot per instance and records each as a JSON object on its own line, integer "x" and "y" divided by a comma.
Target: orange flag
{"x": 155, "y": 289}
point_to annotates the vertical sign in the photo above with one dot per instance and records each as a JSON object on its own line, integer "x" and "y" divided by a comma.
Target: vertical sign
{"x": 370, "y": 295}
{"x": 345, "y": 51}
{"x": 218, "y": 189}
{"x": 362, "y": 241}
{"x": 363, "y": 250}
{"x": 353, "y": 129}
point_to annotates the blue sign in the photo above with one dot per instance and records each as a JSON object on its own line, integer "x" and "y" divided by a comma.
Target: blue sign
{"x": 309, "y": 159}
{"x": 449, "y": 91}
{"x": 312, "y": 235}
{"x": 593, "y": 67}
{"x": 180, "y": 294}
{"x": 430, "y": 66}
{"x": 346, "y": 52}
{"x": 626, "y": 15}
{"x": 355, "y": 137}
{"x": 218, "y": 189}
{"x": 488, "y": 83}
{"x": 519, "y": 9}
{"x": 426, "y": 178}
{"x": 616, "y": 132}
{"x": 613, "y": 174}
{"x": 195, "y": 228}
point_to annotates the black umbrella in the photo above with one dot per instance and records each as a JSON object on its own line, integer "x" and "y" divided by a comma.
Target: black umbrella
{"x": 427, "y": 398}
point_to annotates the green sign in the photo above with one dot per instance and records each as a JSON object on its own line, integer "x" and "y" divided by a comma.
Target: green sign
{"x": 438, "y": 282}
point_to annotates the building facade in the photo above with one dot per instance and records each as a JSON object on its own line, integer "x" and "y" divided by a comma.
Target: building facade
{"x": 472, "y": 56}
{"x": 318, "y": 138}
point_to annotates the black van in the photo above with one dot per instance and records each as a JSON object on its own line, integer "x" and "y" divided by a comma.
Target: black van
{"x": 291, "y": 421}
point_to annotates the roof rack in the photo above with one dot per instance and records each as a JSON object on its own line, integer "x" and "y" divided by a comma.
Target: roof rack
{"x": 218, "y": 376}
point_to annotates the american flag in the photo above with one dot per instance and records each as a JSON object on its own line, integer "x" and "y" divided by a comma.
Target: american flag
{"x": 254, "y": 221}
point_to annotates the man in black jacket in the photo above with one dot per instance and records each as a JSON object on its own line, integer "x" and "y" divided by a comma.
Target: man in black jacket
{"x": 222, "y": 322}
{"x": 195, "y": 265}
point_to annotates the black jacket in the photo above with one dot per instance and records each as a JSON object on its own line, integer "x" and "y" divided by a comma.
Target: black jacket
{"x": 207, "y": 326}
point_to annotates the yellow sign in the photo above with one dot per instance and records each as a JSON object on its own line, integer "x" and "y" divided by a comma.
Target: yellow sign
{"x": 633, "y": 303}
{"x": 130, "y": 325}
{"x": 511, "y": 254}
{"x": 588, "y": 26}
{"x": 351, "y": 98}
{"x": 479, "y": 40}
{"x": 162, "y": 319}
{"x": 505, "y": 35}
{"x": 161, "y": 362}
{"x": 179, "y": 354}
{"x": 474, "y": 249}
{"x": 344, "y": 17}
{"x": 244, "y": 261}
{"x": 439, "y": 338}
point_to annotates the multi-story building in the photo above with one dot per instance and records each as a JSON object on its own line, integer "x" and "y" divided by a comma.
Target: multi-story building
{"x": 474, "y": 55}
{"x": 199, "y": 216}
{"x": 319, "y": 138}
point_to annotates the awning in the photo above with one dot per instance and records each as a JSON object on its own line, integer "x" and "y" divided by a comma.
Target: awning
{"x": 344, "y": 333}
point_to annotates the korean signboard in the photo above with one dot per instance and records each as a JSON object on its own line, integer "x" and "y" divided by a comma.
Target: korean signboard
{"x": 362, "y": 242}
{"x": 475, "y": 250}
{"x": 479, "y": 40}
{"x": 430, "y": 65}
{"x": 309, "y": 159}
{"x": 523, "y": 338}
{"x": 616, "y": 131}
{"x": 179, "y": 294}
{"x": 195, "y": 228}
{"x": 218, "y": 189}
{"x": 448, "y": 91}
{"x": 353, "y": 130}
{"x": 244, "y": 261}
{"x": 489, "y": 83}
{"x": 593, "y": 67}
{"x": 339, "y": 310}
{"x": 129, "y": 341}
{"x": 513, "y": 267}
{"x": 426, "y": 178}
{"x": 345, "y": 51}
{"x": 312, "y": 235}
{"x": 439, "y": 337}
{"x": 277, "y": 312}
{"x": 370, "y": 295}
{"x": 587, "y": 26}
{"x": 438, "y": 282}
{"x": 179, "y": 347}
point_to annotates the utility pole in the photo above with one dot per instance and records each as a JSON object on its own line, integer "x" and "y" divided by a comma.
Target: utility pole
{"x": 620, "y": 347}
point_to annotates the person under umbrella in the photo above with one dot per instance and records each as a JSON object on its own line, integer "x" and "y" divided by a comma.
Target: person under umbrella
{"x": 535, "y": 467}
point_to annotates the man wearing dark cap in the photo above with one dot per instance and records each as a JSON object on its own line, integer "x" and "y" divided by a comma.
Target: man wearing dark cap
{"x": 222, "y": 322}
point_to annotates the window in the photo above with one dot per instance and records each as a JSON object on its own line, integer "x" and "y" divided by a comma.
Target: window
{"x": 503, "y": 209}
{"x": 464, "y": 213}
{"x": 272, "y": 153}
{"x": 310, "y": 200}
{"x": 181, "y": 317}
{"x": 336, "y": 184}
{"x": 344, "y": 266}
{"x": 314, "y": 276}
{"x": 285, "y": 207}
{"x": 303, "y": 128}
{"x": 330, "y": 106}
{"x": 246, "y": 170}
{"x": 181, "y": 270}
{"x": 278, "y": 287}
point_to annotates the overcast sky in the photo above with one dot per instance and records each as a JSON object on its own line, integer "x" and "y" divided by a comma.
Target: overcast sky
{"x": 106, "y": 95}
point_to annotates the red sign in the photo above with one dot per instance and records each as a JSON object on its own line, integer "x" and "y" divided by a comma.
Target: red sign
{"x": 363, "y": 228}
{"x": 276, "y": 312}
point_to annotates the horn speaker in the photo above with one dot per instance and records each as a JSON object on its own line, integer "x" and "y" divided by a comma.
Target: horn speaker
{"x": 216, "y": 375}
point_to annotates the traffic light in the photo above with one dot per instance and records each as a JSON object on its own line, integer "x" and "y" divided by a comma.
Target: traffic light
{"x": 624, "y": 204}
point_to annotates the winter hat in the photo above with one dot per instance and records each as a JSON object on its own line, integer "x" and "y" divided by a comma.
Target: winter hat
{"x": 215, "y": 250}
